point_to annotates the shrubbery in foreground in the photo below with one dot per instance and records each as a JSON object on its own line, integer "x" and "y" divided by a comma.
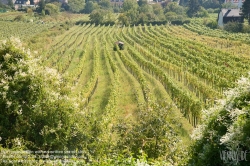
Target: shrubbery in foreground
{"x": 224, "y": 136}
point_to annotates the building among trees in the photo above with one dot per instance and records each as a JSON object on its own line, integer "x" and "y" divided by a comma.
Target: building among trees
{"x": 32, "y": 2}
{"x": 229, "y": 15}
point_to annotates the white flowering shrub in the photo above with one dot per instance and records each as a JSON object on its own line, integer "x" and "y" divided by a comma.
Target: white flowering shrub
{"x": 225, "y": 127}
{"x": 34, "y": 103}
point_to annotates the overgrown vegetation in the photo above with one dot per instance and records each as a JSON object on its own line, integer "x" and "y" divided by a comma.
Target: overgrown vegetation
{"x": 39, "y": 114}
{"x": 225, "y": 128}
{"x": 36, "y": 110}
{"x": 128, "y": 106}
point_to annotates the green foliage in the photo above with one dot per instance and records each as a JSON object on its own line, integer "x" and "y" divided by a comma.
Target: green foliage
{"x": 76, "y": 5}
{"x": 51, "y": 9}
{"x": 43, "y": 13}
{"x": 210, "y": 23}
{"x": 225, "y": 127}
{"x": 228, "y": 5}
{"x": 100, "y": 16}
{"x": 129, "y": 5}
{"x": 154, "y": 133}
{"x": 175, "y": 12}
{"x": 123, "y": 19}
{"x": 174, "y": 7}
{"x": 212, "y": 4}
{"x": 29, "y": 11}
{"x": 41, "y": 5}
{"x": 146, "y": 9}
{"x": 142, "y": 2}
{"x": 233, "y": 27}
{"x": 36, "y": 112}
{"x": 132, "y": 16}
{"x": 210, "y": 10}
{"x": 202, "y": 12}
{"x": 158, "y": 11}
{"x": 90, "y": 6}
{"x": 246, "y": 10}
{"x": 193, "y": 8}
{"x": 105, "y": 4}
{"x": 171, "y": 16}
{"x": 10, "y": 3}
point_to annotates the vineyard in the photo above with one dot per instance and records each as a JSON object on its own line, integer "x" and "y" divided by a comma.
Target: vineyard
{"x": 31, "y": 26}
{"x": 197, "y": 26}
{"x": 115, "y": 105}
{"x": 159, "y": 63}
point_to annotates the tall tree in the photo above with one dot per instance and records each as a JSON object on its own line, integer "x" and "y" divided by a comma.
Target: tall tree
{"x": 76, "y": 5}
{"x": 52, "y": 9}
{"x": 142, "y": 2}
{"x": 90, "y": 6}
{"x": 10, "y": 3}
{"x": 105, "y": 4}
{"x": 193, "y": 8}
{"x": 41, "y": 5}
{"x": 246, "y": 10}
{"x": 129, "y": 5}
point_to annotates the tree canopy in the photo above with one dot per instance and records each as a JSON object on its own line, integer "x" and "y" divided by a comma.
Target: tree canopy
{"x": 246, "y": 10}
{"x": 76, "y": 5}
{"x": 193, "y": 8}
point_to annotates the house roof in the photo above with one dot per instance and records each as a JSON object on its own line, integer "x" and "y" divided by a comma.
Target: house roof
{"x": 231, "y": 12}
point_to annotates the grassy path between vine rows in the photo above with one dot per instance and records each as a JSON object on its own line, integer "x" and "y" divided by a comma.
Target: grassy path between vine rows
{"x": 127, "y": 102}
{"x": 101, "y": 95}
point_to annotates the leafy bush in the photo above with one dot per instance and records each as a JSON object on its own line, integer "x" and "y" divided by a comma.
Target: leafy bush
{"x": 217, "y": 10}
{"x": 210, "y": 10}
{"x": 202, "y": 13}
{"x": 51, "y": 9}
{"x": 210, "y": 23}
{"x": 225, "y": 128}
{"x": 246, "y": 28}
{"x": 155, "y": 134}
{"x": 36, "y": 111}
{"x": 233, "y": 27}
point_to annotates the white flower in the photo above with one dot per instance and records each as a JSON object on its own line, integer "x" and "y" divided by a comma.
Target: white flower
{"x": 6, "y": 87}
{"x": 8, "y": 104}
{"x": 4, "y": 95}
{"x": 236, "y": 112}
{"x": 23, "y": 74}
{"x": 7, "y": 57}
{"x": 20, "y": 112}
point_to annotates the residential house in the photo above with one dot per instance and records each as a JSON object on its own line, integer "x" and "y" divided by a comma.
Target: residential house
{"x": 229, "y": 15}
